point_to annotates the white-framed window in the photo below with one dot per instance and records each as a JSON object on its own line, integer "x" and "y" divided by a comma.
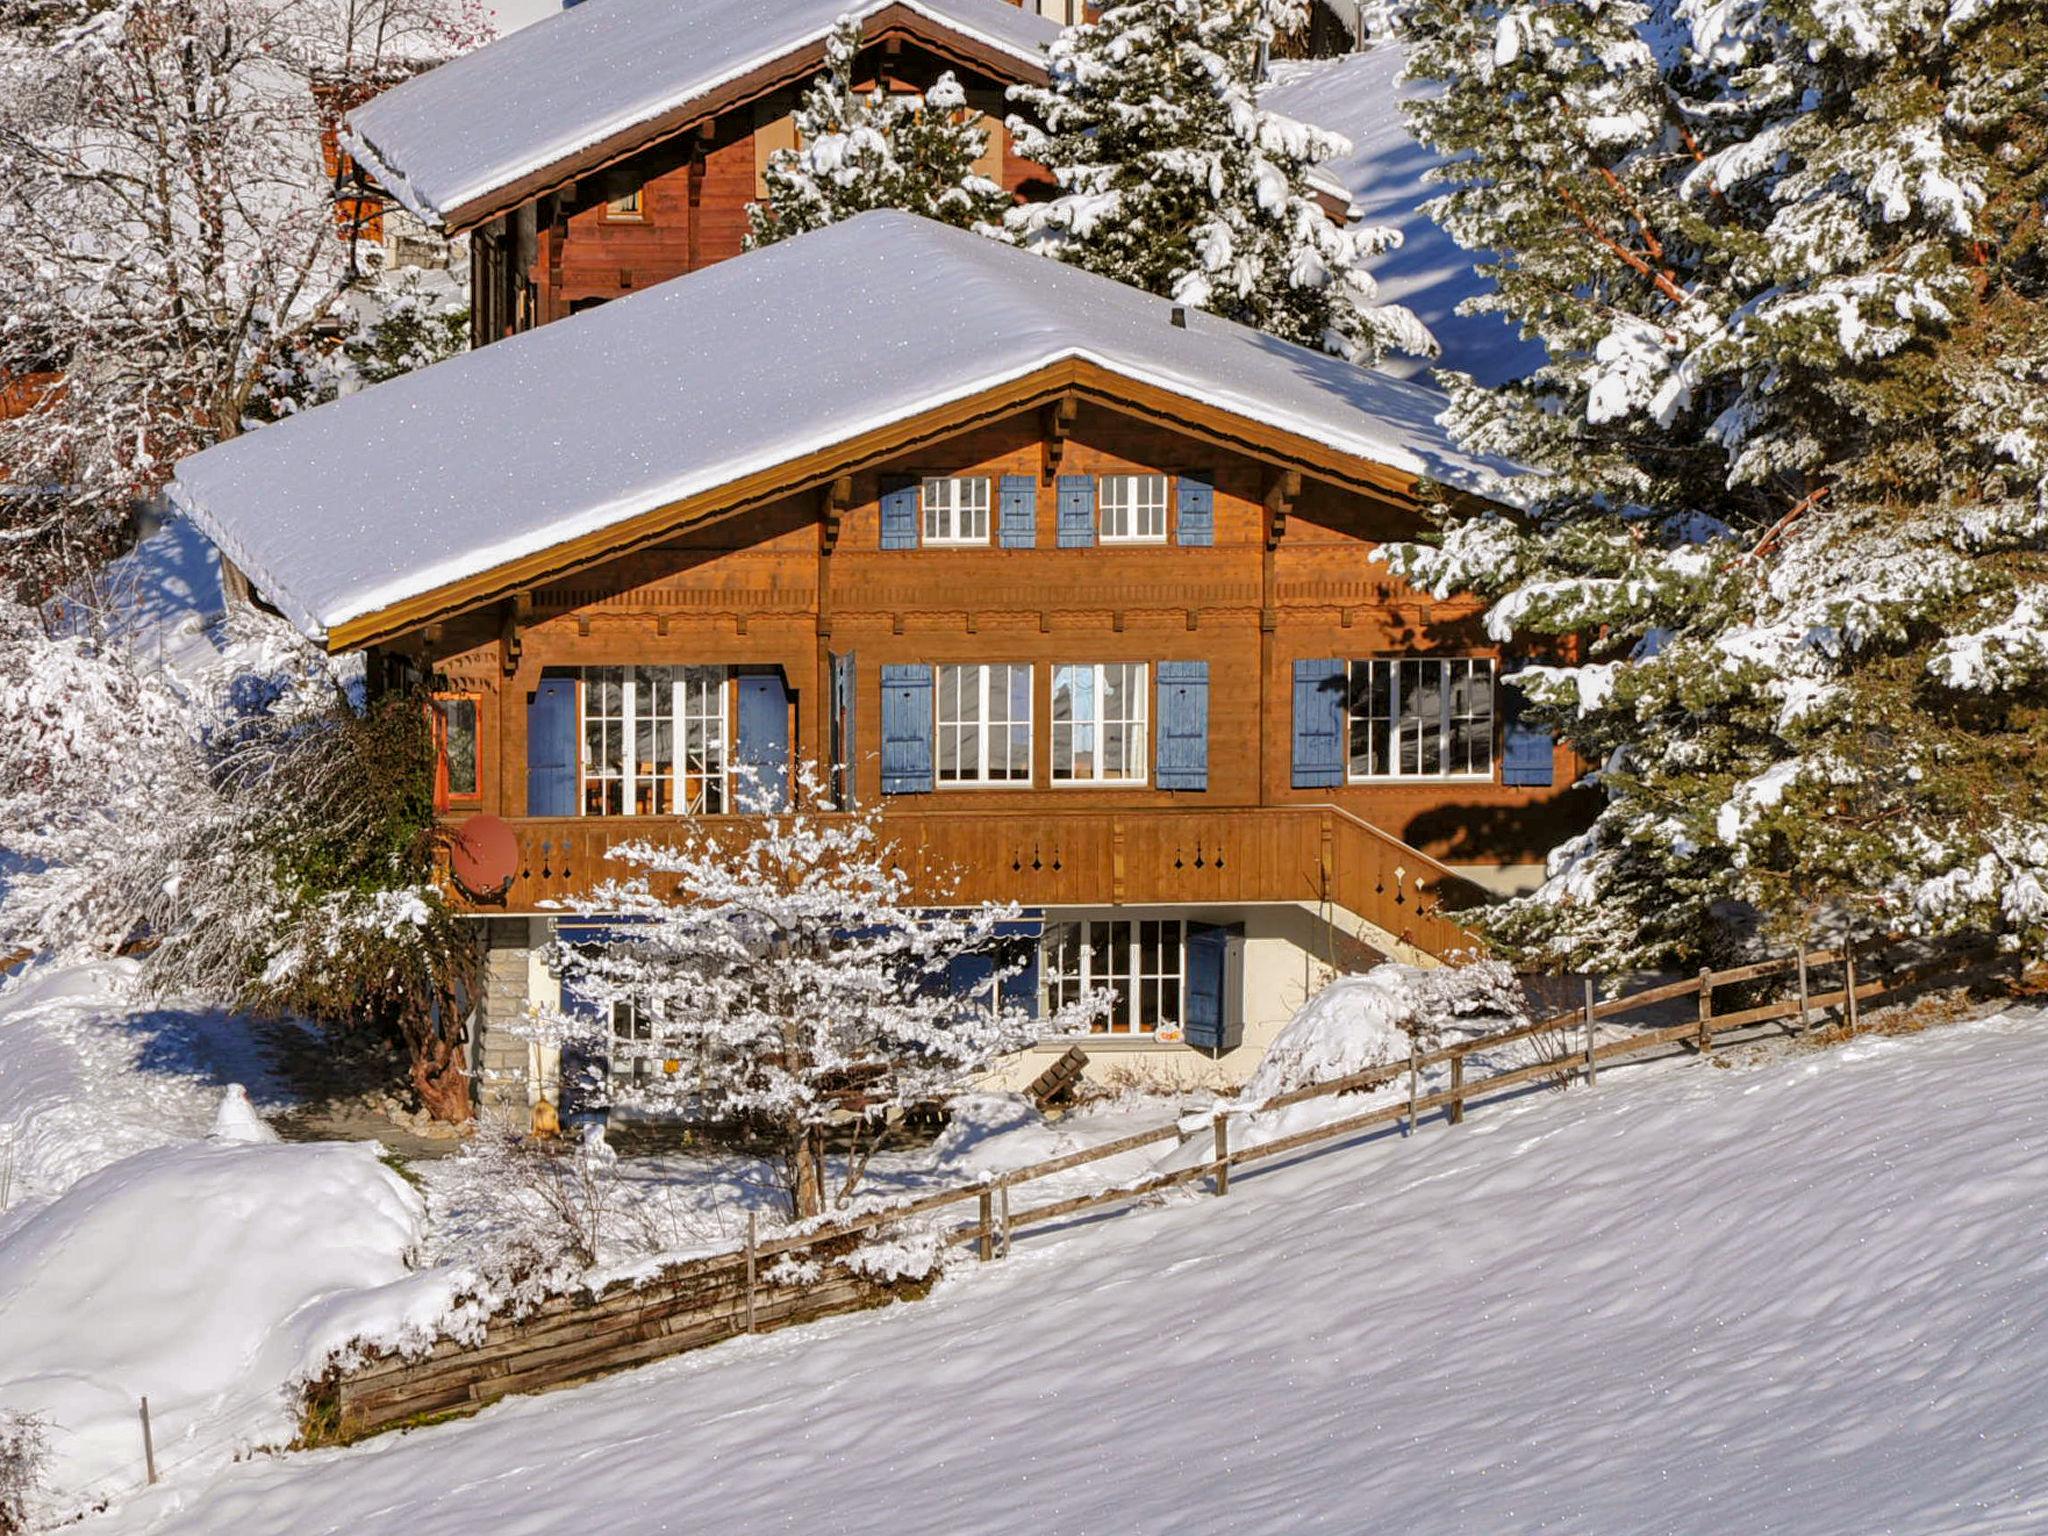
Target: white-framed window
{"x": 1141, "y": 962}
{"x": 956, "y": 510}
{"x": 1133, "y": 509}
{"x": 1422, "y": 717}
{"x": 701, "y": 706}
{"x": 1099, "y": 723}
{"x": 982, "y": 716}
{"x": 632, "y": 1036}
{"x": 629, "y": 760}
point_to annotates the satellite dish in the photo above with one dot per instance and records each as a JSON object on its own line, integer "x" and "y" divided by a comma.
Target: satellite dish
{"x": 483, "y": 856}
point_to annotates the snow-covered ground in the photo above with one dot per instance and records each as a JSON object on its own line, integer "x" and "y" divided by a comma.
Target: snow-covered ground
{"x": 1805, "y": 1295}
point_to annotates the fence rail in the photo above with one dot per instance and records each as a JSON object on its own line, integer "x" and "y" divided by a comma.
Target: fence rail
{"x": 705, "y": 1300}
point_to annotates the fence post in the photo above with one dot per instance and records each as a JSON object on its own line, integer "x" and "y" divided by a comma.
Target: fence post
{"x": 1706, "y": 1009}
{"x": 985, "y": 1245}
{"x": 753, "y": 1232}
{"x": 1849, "y": 982}
{"x": 1592, "y": 1066}
{"x": 1455, "y": 1110}
{"x": 1414, "y": 1079}
{"x": 1003, "y": 1190}
{"x": 1805, "y": 1020}
{"x": 1222, "y": 1153}
{"x": 148, "y": 1445}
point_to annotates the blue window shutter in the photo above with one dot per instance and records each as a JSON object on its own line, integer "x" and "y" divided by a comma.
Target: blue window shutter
{"x": 907, "y": 730}
{"x": 1211, "y": 1023}
{"x": 1077, "y": 511}
{"x": 1197, "y": 497}
{"x": 1183, "y": 751}
{"x": 762, "y": 749}
{"x": 1318, "y": 724}
{"x": 1017, "y": 500}
{"x": 1526, "y": 756}
{"x": 551, "y": 766}
{"x": 899, "y": 512}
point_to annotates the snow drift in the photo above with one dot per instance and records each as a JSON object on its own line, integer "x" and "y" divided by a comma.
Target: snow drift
{"x": 206, "y": 1277}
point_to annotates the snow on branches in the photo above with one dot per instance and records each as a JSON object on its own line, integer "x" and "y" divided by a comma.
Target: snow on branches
{"x": 878, "y": 150}
{"x": 785, "y": 981}
{"x": 171, "y": 239}
{"x": 1789, "y": 542}
{"x": 1173, "y": 179}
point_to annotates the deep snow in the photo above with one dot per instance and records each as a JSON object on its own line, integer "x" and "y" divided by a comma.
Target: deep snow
{"x": 1801, "y": 1296}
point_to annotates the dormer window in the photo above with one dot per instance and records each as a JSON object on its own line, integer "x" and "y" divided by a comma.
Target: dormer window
{"x": 1133, "y": 509}
{"x": 956, "y": 510}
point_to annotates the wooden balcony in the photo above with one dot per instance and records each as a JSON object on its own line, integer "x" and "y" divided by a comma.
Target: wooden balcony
{"x": 1077, "y": 858}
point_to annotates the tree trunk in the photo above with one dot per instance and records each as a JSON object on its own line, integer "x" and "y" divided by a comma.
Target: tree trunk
{"x": 443, "y": 1086}
{"x": 807, "y": 1184}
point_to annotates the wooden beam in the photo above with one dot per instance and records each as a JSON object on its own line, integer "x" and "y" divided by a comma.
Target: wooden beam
{"x": 1059, "y": 426}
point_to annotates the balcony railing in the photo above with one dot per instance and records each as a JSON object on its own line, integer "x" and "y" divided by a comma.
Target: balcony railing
{"x": 1082, "y": 858}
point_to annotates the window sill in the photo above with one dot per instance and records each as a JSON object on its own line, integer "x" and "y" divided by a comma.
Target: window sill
{"x": 1101, "y": 784}
{"x": 947, "y": 786}
{"x": 1125, "y": 538}
{"x": 1383, "y": 779}
{"x": 1059, "y": 1045}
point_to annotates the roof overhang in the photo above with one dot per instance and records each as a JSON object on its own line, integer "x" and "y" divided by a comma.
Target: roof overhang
{"x": 900, "y": 21}
{"x": 1081, "y": 377}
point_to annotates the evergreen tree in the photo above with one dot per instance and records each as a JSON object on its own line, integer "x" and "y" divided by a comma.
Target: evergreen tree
{"x": 1173, "y": 178}
{"x": 859, "y": 152}
{"x": 1790, "y": 534}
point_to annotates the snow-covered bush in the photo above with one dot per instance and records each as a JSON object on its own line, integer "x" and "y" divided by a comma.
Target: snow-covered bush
{"x": 1173, "y": 179}
{"x": 24, "y": 1450}
{"x": 789, "y": 983}
{"x": 270, "y": 839}
{"x": 882, "y": 150}
{"x": 1360, "y": 1022}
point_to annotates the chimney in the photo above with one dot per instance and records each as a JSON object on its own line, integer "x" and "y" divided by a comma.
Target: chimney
{"x": 1180, "y": 316}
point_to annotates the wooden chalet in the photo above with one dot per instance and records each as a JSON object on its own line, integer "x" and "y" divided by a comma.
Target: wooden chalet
{"x": 1076, "y": 585}
{"x": 614, "y": 146}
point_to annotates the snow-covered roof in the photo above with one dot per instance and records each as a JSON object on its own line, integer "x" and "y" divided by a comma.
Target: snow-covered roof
{"x": 1360, "y": 96}
{"x": 562, "y": 432}
{"x": 585, "y": 76}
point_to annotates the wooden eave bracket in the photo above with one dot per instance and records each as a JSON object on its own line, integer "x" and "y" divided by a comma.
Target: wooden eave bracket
{"x": 837, "y": 497}
{"x": 514, "y": 613}
{"x": 1281, "y": 489}
{"x": 1059, "y": 426}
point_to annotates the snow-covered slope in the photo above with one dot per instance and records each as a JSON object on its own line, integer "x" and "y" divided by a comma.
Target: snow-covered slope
{"x": 1802, "y": 1297}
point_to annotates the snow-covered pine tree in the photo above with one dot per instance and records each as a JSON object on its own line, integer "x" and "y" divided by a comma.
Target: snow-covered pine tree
{"x": 795, "y": 983}
{"x": 1791, "y": 532}
{"x": 860, "y": 151}
{"x": 1173, "y": 179}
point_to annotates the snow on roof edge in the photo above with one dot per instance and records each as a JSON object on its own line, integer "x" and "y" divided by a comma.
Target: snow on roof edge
{"x": 387, "y": 178}
{"x": 183, "y": 498}
{"x": 612, "y": 128}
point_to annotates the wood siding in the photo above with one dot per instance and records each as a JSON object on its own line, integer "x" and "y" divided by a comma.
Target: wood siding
{"x": 789, "y": 584}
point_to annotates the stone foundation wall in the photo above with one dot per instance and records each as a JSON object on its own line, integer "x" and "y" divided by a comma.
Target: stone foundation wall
{"x": 500, "y": 1057}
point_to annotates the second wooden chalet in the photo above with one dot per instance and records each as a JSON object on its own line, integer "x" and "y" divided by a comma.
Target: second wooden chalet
{"x": 617, "y": 144}
{"x": 1077, "y": 585}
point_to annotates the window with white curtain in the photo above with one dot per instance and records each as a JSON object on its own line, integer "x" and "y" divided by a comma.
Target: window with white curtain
{"x": 982, "y": 719}
{"x": 1099, "y": 723}
{"x": 630, "y": 763}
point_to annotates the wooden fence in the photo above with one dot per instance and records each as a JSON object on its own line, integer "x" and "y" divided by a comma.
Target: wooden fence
{"x": 703, "y": 1301}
